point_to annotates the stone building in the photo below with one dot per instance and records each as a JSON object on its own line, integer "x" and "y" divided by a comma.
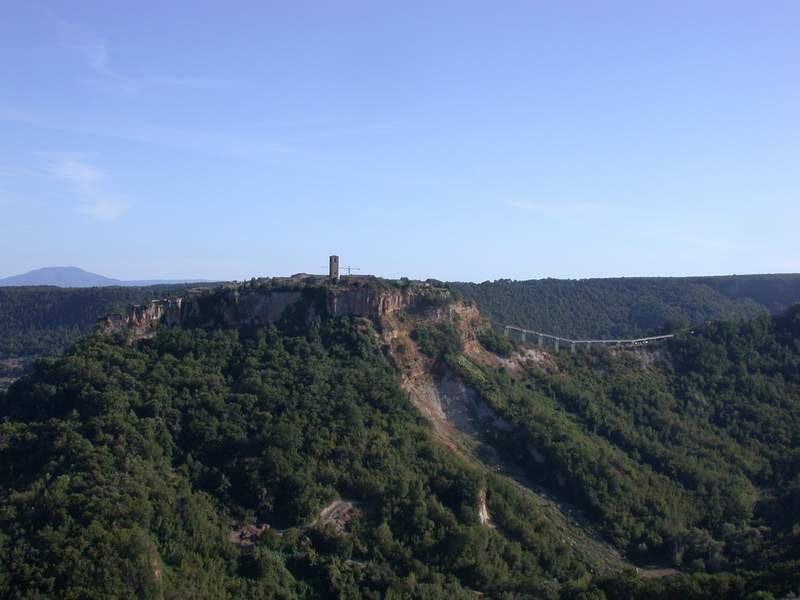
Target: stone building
{"x": 333, "y": 267}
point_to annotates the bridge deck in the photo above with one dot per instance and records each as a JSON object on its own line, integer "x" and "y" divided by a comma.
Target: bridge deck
{"x": 557, "y": 340}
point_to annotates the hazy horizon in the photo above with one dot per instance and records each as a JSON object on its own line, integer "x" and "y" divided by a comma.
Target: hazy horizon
{"x": 460, "y": 141}
{"x": 182, "y": 279}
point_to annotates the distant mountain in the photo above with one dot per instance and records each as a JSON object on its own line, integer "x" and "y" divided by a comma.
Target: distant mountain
{"x": 75, "y": 277}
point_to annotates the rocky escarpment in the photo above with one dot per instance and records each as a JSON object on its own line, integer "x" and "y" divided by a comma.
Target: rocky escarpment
{"x": 375, "y": 303}
{"x": 243, "y": 308}
{"x": 466, "y": 423}
{"x": 257, "y": 307}
{"x": 141, "y": 321}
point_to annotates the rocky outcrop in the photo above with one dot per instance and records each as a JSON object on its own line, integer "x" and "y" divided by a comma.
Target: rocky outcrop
{"x": 141, "y": 321}
{"x": 258, "y": 307}
{"x": 338, "y": 514}
{"x": 483, "y": 510}
{"x": 246, "y": 535}
{"x": 239, "y": 308}
{"x": 375, "y": 303}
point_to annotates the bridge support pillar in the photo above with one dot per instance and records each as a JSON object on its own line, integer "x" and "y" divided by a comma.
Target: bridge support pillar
{"x": 541, "y": 341}
{"x": 522, "y": 335}
{"x": 555, "y": 343}
{"x": 572, "y": 347}
{"x": 505, "y": 331}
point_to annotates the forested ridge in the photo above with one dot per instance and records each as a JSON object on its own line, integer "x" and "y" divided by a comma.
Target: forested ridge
{"x": 629, "y": 306}
{"x": 129, "y": 470}
{"x": 124, "y": 468}
{"x": 687, "y": 456}
{"x": 44, "y": 321}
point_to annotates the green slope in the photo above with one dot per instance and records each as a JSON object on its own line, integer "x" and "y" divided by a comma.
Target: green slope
{"x": 124, "y": 469}
{"x": 629, "y": 306}
{"x": 133, "y": 470}
{"x": 687, "y": 455}
{"x": 44, "y": 321}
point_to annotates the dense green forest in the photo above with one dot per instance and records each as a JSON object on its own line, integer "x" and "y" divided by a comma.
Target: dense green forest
{"x": 44, "y": 321}
{"x": 123, "y": 469}
{"x": 132, "y": 470}
{"x": 629, "y": 306}
{"x": 687, "y": 456}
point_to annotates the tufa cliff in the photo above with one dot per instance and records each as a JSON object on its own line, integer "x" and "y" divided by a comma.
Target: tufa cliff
{"x": 141, "y": 321}
{"x": 255, "y": 306}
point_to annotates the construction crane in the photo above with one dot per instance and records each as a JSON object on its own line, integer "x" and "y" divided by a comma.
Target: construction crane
{"x": 348, "y": 269}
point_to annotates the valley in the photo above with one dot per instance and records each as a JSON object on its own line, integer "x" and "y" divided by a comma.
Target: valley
{"x": 369, "y": 424}
{"x": 399, "y": 301}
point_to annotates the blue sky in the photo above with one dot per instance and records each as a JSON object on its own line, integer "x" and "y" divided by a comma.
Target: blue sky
{"x": 458, "y": 140}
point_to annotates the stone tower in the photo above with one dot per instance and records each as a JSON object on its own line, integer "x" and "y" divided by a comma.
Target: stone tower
{"x": 333, "y": 270}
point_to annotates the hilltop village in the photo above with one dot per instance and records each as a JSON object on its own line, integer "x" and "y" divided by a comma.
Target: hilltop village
{"x": 263, "y": 301}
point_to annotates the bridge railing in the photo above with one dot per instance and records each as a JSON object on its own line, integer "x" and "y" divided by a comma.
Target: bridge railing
{"x": 528, "y": 335}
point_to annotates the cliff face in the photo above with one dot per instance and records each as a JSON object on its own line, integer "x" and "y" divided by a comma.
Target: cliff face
{"x": 245, "y": 307}
{"x": 238, "y": 308}
{"x": 142, "y": 321}
{"x": 377, "y": 303}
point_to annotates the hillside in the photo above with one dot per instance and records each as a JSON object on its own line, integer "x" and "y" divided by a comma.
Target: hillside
{"x": 44, "y": 321}
{"x": 685, "y": 454}
{"x": 201, "y": 437}
{"x": 380, "y": 441}
{"x": 629, "y": 306}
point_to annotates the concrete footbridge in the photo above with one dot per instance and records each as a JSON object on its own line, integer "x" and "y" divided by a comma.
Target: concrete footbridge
{"x": 545, "y": 339}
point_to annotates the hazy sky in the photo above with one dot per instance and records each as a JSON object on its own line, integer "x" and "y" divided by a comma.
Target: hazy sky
{"x": 457, "y": 140}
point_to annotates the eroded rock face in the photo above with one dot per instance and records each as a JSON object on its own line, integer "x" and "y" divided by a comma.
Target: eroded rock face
{"x": 141, "y": 321}
{"x": 245, "y": 307}
{"x": 239, "y": 308}
{"x": 376, "y": 303}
